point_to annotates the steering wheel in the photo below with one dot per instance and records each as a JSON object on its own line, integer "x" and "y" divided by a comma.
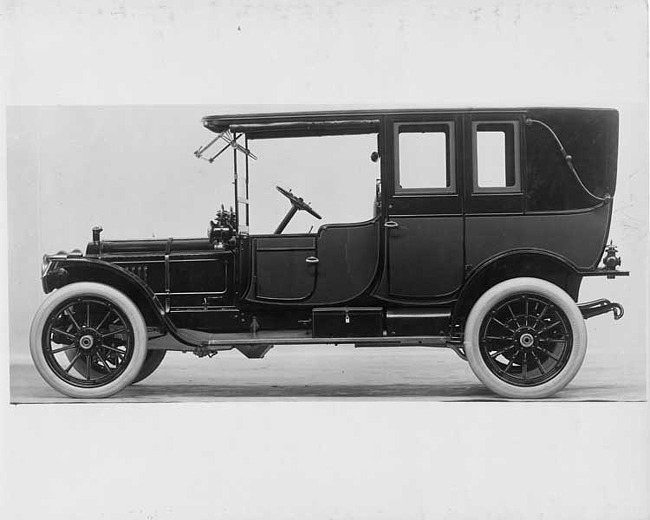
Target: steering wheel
{"x": 299, "y": 203}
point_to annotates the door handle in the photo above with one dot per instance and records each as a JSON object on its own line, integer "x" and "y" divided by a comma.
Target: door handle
{"x": 312, "y": 260}
{"x": 391, "y": 224}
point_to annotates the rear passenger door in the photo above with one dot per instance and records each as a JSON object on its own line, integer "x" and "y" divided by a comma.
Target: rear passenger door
{"x": 494, "y": 185}
{"x": 424, "y": 219}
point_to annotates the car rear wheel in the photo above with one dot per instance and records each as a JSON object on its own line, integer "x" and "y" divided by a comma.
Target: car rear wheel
{"x": 88, "y": 340}
{"x": 525, "y": 338}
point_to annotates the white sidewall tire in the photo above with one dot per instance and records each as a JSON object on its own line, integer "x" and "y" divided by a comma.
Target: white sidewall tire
{"x": 88, "y": 289}
{"x": 502, "y": 291}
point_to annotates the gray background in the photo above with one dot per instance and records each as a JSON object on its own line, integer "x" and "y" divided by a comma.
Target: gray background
{"x": 132, "y": 170}
{"x": 334, "y": 459}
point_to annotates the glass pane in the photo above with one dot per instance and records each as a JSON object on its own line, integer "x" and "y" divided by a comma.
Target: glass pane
{"x": 332, "y": 173}
{"x": 423, "y": 160}
{"x": 491, "y": 159}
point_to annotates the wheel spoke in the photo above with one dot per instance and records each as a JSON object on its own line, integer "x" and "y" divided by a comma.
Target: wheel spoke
{"x": 503, "y": 325}
{"x": 549, "y": 327}
{"x": 63, "y": 349}
{"x": 119, "y": 331}
{"x": 88, "y": 363}
{"x": 101, "y": 358}
{"x": 548, "y": 353}
{"x": 541, "y": 314}
{"x": 552, "y": 340}
{"x": 63, "y": 333}
{"x": 538, "y": 362}
{"x": 67, "y": 311}
{"x": 110, "y": 311}
{"x": 499, "y": 352}
{"x": 74, "y": 360}
{"x": 113, "y": 349}
{"x": 524, "y": 366}
{"x": 512, "y": 362}
{"x": 88, "y": 315}
{"x": 514, "y": 316}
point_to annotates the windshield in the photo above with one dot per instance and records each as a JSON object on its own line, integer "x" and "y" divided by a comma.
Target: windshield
{"x": 334, "y": 174}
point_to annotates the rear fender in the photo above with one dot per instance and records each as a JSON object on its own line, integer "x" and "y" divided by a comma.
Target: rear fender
{"x": 515, "y": 264}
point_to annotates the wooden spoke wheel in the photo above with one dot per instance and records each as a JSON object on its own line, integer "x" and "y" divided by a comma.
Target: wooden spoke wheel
{"x": 88, "y": 340}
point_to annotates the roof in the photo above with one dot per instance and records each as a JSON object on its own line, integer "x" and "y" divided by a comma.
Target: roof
{"x": 335, "y": 122}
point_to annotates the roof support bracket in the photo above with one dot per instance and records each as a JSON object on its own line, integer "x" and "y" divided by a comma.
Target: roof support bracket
{"x": 231, "y": 142}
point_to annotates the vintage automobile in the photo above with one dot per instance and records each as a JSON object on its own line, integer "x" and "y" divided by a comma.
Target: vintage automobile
{"x": 485, "y": 224}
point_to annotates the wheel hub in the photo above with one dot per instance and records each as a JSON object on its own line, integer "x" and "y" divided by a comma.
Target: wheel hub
{"x": 526, "y": 340}
{"x": 86, "y": 341}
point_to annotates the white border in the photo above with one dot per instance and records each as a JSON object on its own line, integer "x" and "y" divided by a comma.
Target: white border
{"x": 321, "y": 459}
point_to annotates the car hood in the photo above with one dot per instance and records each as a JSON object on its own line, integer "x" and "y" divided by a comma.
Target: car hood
{"x": 152, "y": 246}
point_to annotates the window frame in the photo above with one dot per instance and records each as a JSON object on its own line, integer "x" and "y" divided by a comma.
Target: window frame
{"x": 451, "y": 158}
{"x": 516, "y": 137}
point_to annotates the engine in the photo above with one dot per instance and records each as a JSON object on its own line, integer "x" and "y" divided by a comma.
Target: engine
{"x": 222, "y": 230}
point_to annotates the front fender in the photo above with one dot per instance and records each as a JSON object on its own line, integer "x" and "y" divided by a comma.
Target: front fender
{"x": 72, "y": 270}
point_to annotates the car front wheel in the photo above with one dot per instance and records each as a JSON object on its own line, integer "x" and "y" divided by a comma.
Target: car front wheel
{"x": 151, "y": 363}
{"x": 525, "y": 338}
{"x": 87, "y": 325}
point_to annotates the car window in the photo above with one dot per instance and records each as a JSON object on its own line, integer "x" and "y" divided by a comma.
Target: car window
{"x": 334, "y": 174}
{"x": 425, "y": 158}
{"x": 496, "y": 156}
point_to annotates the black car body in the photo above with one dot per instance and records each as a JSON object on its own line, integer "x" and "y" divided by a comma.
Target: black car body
{"x": 439, "y": 247}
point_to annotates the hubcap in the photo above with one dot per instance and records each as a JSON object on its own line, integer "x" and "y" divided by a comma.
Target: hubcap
{"x": 526, "y": 340}
{"x": 86, "y": 342}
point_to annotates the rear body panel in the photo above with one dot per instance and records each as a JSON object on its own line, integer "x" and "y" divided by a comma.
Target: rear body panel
{"x": 577, "y": 237}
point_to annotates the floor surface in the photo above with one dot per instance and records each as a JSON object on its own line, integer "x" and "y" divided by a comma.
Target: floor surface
{"x": 339, "y": 372}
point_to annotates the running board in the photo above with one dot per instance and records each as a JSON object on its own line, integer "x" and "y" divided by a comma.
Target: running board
{"x": 245, "y": 340}
{"x": 599, "y": 307}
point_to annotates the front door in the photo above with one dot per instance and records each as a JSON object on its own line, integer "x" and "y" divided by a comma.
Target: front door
{"x": 424, "y": 223}
{"x": 285, "y": 267}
